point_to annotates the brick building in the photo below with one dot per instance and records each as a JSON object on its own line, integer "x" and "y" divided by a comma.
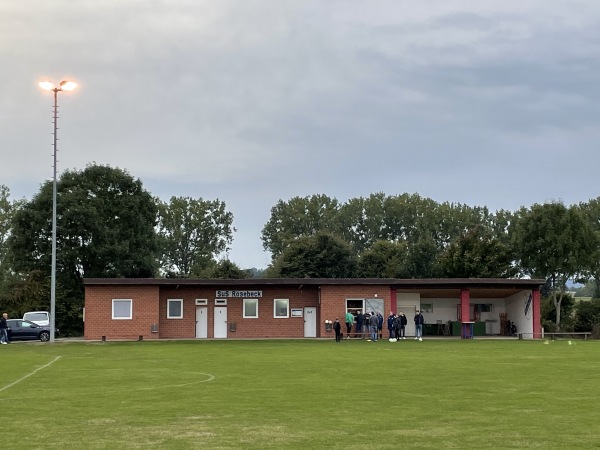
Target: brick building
{"x": 295, "y": 308}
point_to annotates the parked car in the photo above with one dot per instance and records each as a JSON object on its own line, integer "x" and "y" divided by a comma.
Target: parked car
{"x": 22, "y": 330}
{"x": 38, "y": 317}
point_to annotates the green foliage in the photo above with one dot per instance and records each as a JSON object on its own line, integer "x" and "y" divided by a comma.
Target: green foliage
{"x": 591, "y": 212}
{"x": 227, "y": 270}
{"x": 105, "y": 229}
{"x": 320, "y": 256}
{"x": 5, "y": 220}
{"x": 384, "y": 260}
{"x": 297, "y": 218}
{"x": 192, "y": 233}
{"x": 557, "y": 243}
{"x": 477, "y": 253}
{"x": 587, "y": 314}
{"x": 422, "y": 226}
{"x": 8, "y": 209}
{"x": 548, "y": 313}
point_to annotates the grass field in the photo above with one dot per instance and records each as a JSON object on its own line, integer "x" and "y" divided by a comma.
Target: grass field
{"x": 301, "y": 394}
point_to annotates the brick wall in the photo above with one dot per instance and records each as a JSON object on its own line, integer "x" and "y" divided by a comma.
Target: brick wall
{"x": 98, "y": 312}
{"x": 150, "y": 307}
{"x": 265, "y": 326}
{"x": 333, "y": 302}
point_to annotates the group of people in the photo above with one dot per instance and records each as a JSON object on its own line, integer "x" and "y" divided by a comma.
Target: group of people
{"x": 397, "y": 325}
{"x": 373, "y": 322}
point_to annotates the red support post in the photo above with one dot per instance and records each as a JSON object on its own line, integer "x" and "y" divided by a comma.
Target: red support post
{"x": 393, "y": 300}
{"x": 465, "y": 310}
{"x": 536, "y": 314}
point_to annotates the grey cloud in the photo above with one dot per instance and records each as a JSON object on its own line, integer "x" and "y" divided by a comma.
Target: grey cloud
{"x": 477, "y": 102}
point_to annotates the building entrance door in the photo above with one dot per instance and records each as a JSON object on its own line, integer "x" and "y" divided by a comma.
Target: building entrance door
{"x": 310, "y": 321}
{"x": 220, "y": 322}
{"x": 201, "y": 322}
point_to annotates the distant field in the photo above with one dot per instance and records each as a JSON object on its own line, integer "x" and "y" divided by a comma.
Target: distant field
{"x": 301, "y": 394}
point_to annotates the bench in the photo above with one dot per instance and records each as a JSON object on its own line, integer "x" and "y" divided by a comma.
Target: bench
{"x": 585, "y": 334}
{"x": 553, "y": 335}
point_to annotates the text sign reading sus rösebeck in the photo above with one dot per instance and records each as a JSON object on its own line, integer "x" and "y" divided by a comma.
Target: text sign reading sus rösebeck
{"x": 239, "y": 294}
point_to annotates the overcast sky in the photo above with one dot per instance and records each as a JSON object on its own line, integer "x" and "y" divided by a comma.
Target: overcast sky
{"x": 483, "y": 102}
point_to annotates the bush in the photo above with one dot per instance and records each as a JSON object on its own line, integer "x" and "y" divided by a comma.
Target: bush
{"x": 548, "y": 313}
{"x": 549, "y": 326}
{"x": 587, "y": 314}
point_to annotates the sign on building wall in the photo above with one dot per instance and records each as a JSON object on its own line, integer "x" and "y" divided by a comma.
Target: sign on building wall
{"x": 239, "y": 294}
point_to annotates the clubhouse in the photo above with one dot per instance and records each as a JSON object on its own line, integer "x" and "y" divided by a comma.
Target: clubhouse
{"x": 153, "y": 308}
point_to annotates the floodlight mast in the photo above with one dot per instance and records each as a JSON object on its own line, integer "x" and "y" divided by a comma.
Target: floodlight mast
{"x": 48, "y": 86}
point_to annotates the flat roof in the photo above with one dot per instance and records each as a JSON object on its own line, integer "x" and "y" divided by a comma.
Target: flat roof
{"x": 398, "y": 283}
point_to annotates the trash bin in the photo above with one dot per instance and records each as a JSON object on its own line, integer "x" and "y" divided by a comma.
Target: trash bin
{"x": 232, "y": 327}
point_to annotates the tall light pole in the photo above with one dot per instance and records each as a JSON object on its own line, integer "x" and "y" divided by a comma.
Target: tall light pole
{"x": 48, "y": 86}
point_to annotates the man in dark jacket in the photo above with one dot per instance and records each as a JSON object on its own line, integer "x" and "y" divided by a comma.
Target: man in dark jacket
{"x": 4, "y": 329}
{"x": 359, "y": 322}
{"x": 419, "y": 321}
{"x": 390, "y": 323}
{"x": 402, "y": 322}
{"x": 337, "y": 327}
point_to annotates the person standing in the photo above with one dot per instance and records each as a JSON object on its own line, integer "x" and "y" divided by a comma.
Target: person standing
{"x": 373, "y": 323}
{"x": 380, "y": 325}
{"x": 337, "y": 327}
{"x": 402, "y": 325}
{"x": 390, "y": 324}
{"x": 4, "y": 329}
{"x": 349, "y": 322}
{"x": 396, "y": 327}
{"x": 359, "y": 322}
{"x": 419, "y": 321}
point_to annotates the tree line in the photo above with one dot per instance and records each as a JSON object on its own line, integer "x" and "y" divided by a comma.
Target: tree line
{"x": 109, "y": 225}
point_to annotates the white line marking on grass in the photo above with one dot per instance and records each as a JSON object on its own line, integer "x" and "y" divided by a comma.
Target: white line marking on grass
{"x": 29, "y": 374}
{"x": 208, "y": 375}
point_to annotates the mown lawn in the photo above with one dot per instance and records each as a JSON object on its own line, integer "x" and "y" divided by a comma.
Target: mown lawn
{"x": 301, "y": 394}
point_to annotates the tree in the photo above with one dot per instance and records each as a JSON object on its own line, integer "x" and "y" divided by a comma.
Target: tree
{"x": 297, "y": 218}
{"x": 227, "y": 270}
{"x": 361, "y": 221}
{"x": 384, "y": 260}
{"x": 192, "y": 233}
{"x": 554, "y": 242}
{"x": 587, "y": 314}
{"x": 477, "y": 254}
{"x": 591, "y": 212}
{"x": 105, "y": 222}
{"x": 323, "y": 255}
{"x": 5, "y": 219}
{"x": 8, "y": 210}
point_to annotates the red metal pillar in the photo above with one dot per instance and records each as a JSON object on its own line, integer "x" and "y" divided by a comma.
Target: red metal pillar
{"x": 536, "y": 314}
{"x": 465, "y": 310}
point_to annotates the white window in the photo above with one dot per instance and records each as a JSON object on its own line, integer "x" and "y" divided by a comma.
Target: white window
{"x": 250, "y": 308}
{"x": 175, "y": 308}
{"x": 121, "y": 309}
{"x": 281, "y": 308}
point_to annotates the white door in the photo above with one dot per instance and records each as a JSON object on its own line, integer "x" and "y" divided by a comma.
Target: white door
{"x": 201, "y": 322}
{"x": 220, "y": 330}
{"x": 310, "y": 321}
{"x": 409, "y": 311}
